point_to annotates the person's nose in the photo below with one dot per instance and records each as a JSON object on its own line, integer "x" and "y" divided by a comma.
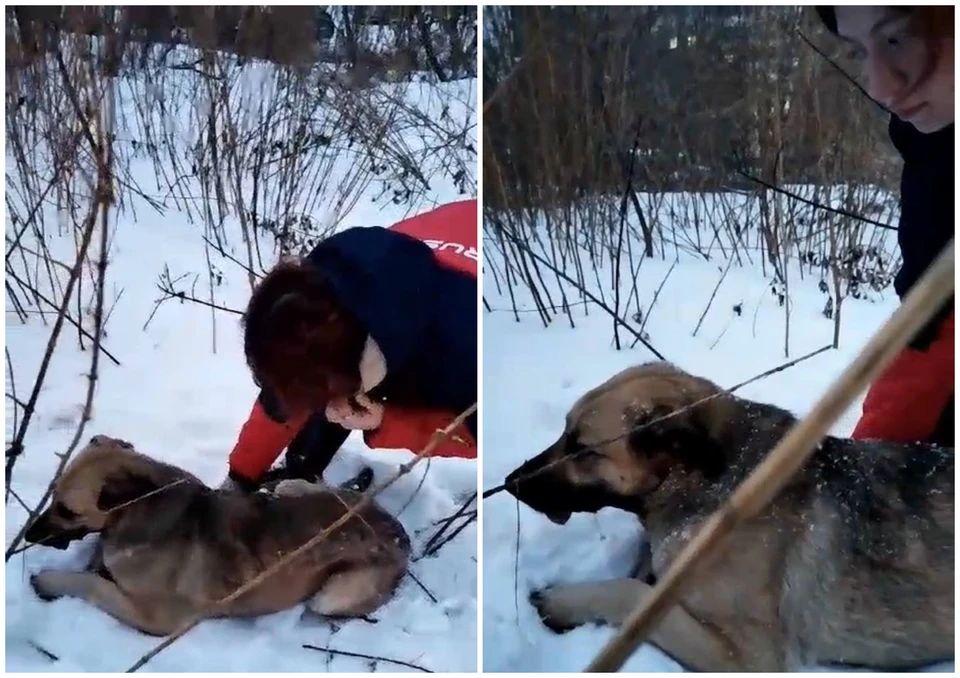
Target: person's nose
{"x": 886, "y": 83}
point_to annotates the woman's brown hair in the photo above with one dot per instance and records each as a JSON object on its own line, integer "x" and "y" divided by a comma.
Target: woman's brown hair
{"x": 931, "y": 21}
{"x": 300, "y": 342}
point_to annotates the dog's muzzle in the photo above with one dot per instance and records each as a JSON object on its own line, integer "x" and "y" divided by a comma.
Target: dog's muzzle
{"x": 42, "y": 533}
{"x": 538, "y": 489}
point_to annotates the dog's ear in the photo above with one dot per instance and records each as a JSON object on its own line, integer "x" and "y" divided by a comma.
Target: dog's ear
{"x": 682, "y": 438}
{"x": 122, "y": 487}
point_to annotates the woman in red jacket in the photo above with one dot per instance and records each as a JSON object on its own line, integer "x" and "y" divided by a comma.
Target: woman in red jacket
{"x": 908, "y": 61}
{"x": 374, "y": 330}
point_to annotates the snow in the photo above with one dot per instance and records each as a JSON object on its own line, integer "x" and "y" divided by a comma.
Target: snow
{"x": 532, "y": 375}
{"x": 180, "y": 401}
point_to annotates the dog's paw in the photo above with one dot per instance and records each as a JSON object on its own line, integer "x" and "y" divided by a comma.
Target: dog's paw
{"x": 550, "y": 607}
{"x": 48, "y": 585}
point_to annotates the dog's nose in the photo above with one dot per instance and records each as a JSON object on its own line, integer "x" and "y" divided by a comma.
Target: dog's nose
{"x": 510, "y": 483}
{"x": 522, "y": 474}
{"x": 98, "y": 439}
{"x": 38, "y": 531}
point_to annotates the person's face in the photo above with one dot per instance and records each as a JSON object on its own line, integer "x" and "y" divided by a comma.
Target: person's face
{"x": 896, "y": 64}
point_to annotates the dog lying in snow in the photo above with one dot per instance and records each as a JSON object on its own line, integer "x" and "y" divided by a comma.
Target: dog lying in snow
{"x": 169, "y": 546}
{"x": 851, "y": 564}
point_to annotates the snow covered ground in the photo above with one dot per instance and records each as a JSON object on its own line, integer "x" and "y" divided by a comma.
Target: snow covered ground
{"x": 179, "y": 401}
{"x": 531, "y": 376}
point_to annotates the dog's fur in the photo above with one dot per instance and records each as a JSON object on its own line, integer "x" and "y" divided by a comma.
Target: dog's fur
{"x": 851, "y": 564}
{"x": 169, "y": 546}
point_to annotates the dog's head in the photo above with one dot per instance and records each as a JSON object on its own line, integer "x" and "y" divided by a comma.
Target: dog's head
{"x": 105, "y": 474}
{"x": 614, "y": 451}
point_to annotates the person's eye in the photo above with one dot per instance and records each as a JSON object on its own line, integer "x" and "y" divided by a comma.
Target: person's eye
{"x": 899, "y": 35}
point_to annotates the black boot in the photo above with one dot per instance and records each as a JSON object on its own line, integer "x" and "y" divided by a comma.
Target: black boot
{"x": 310, "y": 453}
{"x": 360, "y": 482}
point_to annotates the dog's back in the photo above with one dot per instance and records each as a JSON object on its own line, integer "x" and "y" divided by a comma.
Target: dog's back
{"x": 208, "y": 543}
{"x": 871, "y": 580}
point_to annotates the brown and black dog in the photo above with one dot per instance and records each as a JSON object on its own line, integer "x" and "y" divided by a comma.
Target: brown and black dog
{"x": 169, "y": 546}
{"x": 852, "y": 564}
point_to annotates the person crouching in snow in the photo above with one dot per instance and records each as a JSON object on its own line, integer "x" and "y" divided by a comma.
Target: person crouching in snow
{"x": 907, "y": 57}
{"x": 374, "y": 330}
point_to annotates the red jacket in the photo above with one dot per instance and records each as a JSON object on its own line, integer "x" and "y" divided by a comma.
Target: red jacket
{"x": 451, "y": 232}
{"x": 908, "y": 402}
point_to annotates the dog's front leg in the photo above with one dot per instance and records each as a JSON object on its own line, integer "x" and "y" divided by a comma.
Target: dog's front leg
{"x": 678, "y": 634}
{"x": 643, "y": 568}
{"x": 157, "y": 620}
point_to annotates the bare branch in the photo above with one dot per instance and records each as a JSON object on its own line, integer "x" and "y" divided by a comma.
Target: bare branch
{"x": 371, "y": 657}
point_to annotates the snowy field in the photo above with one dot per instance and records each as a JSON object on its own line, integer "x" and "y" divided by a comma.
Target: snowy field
{"x": 532, "y": 375}
{"x": 179, "y": 401}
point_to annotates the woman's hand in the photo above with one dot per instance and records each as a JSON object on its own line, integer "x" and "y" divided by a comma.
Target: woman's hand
{"x": 341, "y": 413}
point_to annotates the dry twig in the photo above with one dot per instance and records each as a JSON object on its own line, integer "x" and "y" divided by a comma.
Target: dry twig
{"x": 69, "y": 318}
{"x": 613, "y": 314}
{"x": 433, "y": 543}
{"x": 713, "y": 296}
{"x": 371, "y": 657}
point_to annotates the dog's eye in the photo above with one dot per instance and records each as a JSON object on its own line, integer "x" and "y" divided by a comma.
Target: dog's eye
{"x": 574, "y": 448}
{"x": 61, "y": 511}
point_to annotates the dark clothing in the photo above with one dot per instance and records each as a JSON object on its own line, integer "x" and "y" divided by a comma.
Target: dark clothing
{"x": 314, "y": 448}
{"x": 927, "y": 208}
{"x": 945, "y": 430}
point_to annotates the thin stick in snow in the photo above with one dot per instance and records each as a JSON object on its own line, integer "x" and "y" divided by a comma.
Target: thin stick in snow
{"x": 712, "y": 296}
{"x": 516, "y": 570}
{"x": 653, "y": 302}
{"x": 587, "y": 294}
{"x": 375, "y": 658}
{"x": 423, "y": 587}
{"x": 433, "y": 543}
{"x": 69, "y": 318}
